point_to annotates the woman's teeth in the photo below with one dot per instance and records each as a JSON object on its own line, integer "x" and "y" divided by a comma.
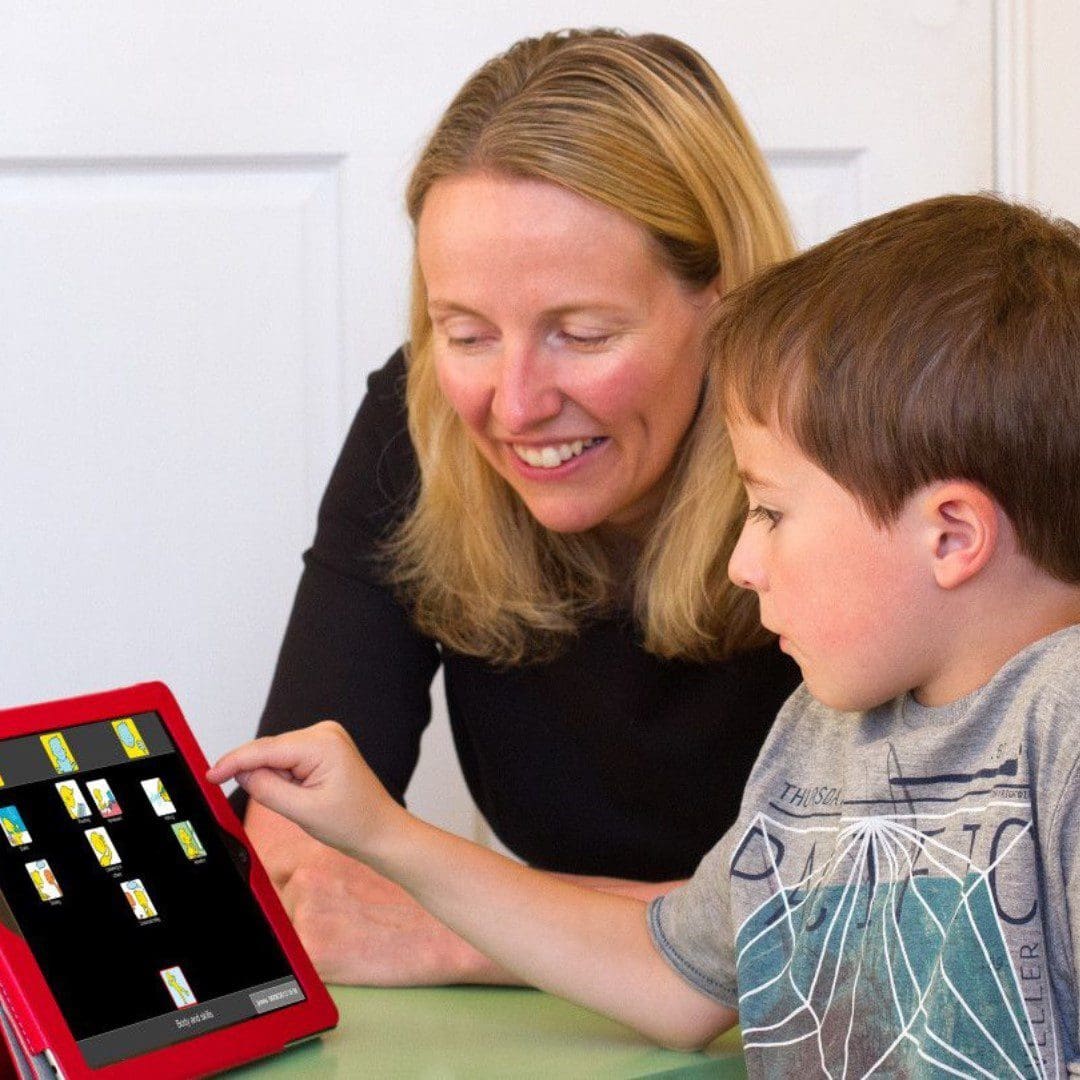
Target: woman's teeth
{"x": 551, "y": 457}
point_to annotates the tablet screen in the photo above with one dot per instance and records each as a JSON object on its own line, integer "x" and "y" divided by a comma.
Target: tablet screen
{"x": 115, "y": 873}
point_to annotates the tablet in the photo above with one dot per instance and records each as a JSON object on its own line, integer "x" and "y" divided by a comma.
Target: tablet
{"x": 139, "y": 935}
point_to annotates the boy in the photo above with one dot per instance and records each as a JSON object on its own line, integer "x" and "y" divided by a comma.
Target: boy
{"x": 903, "y": 403}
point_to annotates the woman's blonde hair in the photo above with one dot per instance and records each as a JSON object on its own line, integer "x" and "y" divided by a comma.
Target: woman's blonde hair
{"x": 642, "y": 125}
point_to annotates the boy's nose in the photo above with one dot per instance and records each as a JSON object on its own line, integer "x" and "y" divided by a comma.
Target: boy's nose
{"x": 525, "y": 392}
{"x": 744, "y": 567}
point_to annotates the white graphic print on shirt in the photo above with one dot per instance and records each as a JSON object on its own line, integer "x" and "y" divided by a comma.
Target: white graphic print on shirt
{"x": 896, "y": 933}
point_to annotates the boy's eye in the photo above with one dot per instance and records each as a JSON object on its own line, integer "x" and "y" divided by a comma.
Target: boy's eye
{"x": 763, "y": 513}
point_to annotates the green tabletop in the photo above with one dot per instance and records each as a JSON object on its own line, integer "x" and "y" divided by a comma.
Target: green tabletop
{"x": 478, "y": 1032}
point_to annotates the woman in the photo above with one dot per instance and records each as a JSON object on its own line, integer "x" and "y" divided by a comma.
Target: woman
{"x": 514, "y": 499}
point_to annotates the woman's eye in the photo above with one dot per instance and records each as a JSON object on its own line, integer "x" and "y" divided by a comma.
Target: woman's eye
{"x": 465, "y": 341}
{"x": 763, "y": 513}
{"x": 585, "y": 340}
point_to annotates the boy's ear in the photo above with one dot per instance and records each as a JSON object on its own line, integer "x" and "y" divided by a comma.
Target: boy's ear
{"x": 963, "y": 530}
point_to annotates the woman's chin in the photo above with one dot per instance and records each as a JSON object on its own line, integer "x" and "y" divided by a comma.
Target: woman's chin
{"x": 565, "y": 519}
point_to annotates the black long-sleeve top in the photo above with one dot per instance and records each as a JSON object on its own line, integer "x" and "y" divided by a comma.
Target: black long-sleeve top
{"x": 606, "y": 760}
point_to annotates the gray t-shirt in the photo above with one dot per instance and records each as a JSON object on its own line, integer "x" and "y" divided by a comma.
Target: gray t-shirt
{"x": 894, "y": 898}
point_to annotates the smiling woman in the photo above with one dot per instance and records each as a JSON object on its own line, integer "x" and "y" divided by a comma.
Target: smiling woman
{"x": 512, "y": 501}
{"x": 601, "y": 177}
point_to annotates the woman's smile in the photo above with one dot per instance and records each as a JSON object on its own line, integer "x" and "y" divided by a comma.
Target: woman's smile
{"x": 555, "y": 458}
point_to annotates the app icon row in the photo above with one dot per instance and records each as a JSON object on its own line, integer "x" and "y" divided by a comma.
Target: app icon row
{"x": 107, "y": 855}
{"x": 64, "y": 761}
{"x": 78, "y": 807}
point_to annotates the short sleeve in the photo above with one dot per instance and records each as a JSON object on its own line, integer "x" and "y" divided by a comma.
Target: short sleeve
{"x": 691, "y": 926}
{"x": 1061, "y": 867}
{"x": 1046, "y": 691}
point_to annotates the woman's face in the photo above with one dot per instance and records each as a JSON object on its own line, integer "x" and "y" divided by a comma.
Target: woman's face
{"x": 569, "y": 352}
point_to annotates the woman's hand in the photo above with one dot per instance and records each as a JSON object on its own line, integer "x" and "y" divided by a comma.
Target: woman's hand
{"x": 359, "y": 928}
{"x": 316, "y": 778}
{"x": 352, "y": 941}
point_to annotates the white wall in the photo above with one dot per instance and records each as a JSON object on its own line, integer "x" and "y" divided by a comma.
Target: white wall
{"x": 203, "y": 253}
{"x": 1051, "y": 138}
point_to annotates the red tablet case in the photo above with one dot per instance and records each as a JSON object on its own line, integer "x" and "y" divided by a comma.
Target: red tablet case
{"x": 33, "y": 1012}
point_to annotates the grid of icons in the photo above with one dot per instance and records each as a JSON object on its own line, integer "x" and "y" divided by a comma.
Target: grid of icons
{"x": 93, "y": 807}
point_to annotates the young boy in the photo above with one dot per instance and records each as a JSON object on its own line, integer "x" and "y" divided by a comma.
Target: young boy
{"x": 901, "y": 894}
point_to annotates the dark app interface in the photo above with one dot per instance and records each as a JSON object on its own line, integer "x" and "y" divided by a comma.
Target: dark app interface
{"x": 116, "y": 875}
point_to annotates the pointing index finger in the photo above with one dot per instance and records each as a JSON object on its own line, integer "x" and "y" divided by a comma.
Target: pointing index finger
{"x": 282, "y": 753}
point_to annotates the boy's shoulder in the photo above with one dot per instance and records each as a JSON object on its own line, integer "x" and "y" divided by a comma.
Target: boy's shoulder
{"x": 1048, "y": 669}
{"x": 1039, "y": 690}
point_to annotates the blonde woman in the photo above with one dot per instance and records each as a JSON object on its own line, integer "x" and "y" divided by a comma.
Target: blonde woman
{"x": 512, "y": 501}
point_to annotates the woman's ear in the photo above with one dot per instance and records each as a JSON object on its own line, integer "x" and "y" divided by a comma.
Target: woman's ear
{"x": 963, "y": 528}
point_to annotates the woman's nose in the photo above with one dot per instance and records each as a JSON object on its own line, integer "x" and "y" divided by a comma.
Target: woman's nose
{"x": 744, "y": 566}
{"x": 526, "y": 393}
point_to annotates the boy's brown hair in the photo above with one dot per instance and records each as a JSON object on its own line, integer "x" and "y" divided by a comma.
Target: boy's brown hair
{"x": 938, "y": 341}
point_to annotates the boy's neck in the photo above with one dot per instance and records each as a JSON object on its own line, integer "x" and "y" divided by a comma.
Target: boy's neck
{"x": 990, "y": 626}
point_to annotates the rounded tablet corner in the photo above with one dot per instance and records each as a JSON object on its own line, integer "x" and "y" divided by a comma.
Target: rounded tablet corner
{"x": 159, "y": 689}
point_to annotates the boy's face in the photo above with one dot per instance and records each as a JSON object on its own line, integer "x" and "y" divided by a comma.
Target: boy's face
{"x": 852, "y": 602}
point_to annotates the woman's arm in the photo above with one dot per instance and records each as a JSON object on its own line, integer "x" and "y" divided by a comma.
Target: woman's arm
{"x": 359, "y": 928}
{"x": 350, "y": 650}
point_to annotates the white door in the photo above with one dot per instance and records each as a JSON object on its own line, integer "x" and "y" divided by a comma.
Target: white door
{"x": 203, "y": 252}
